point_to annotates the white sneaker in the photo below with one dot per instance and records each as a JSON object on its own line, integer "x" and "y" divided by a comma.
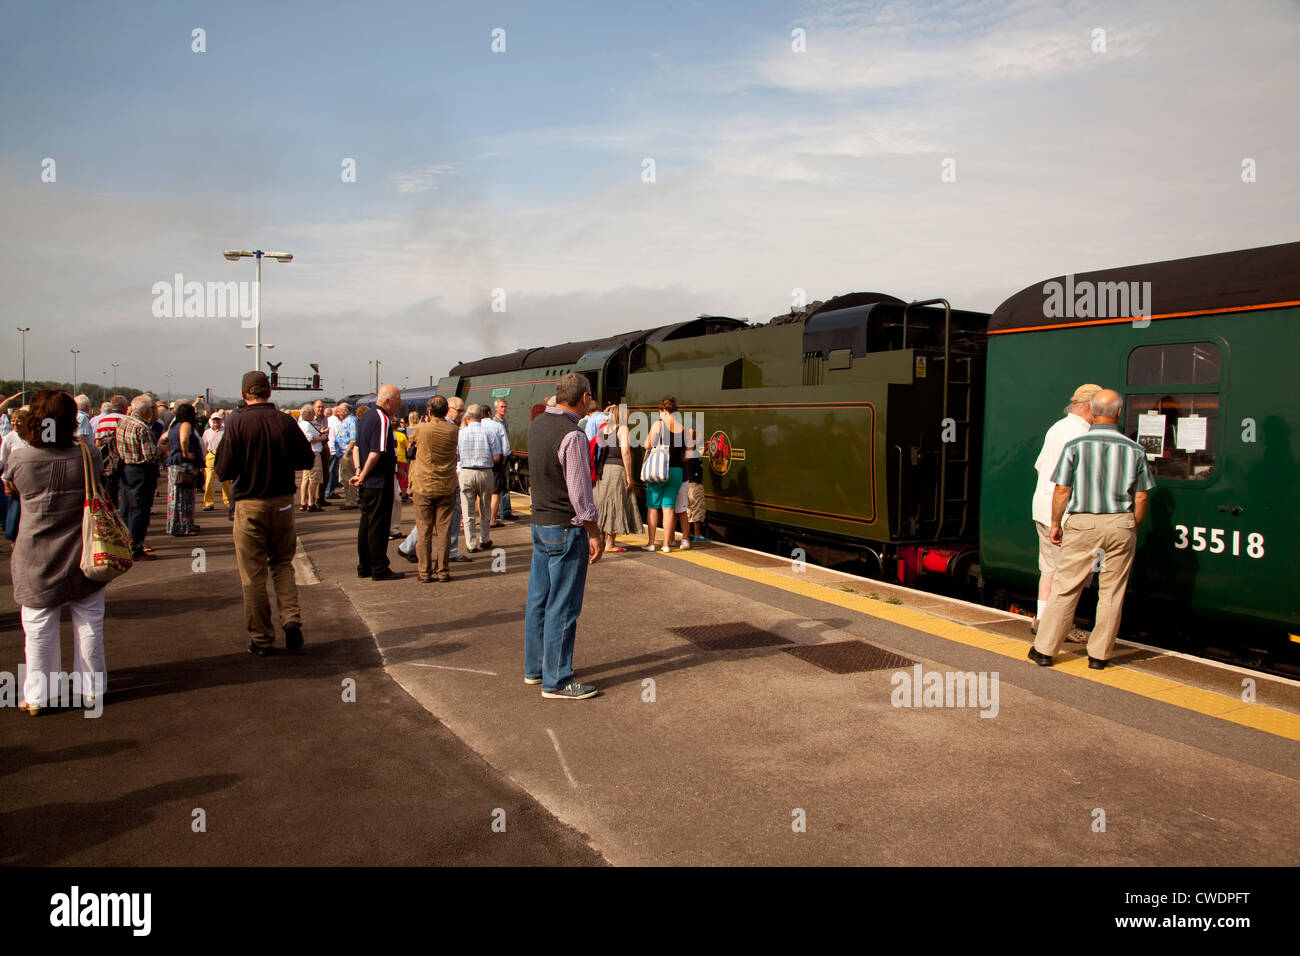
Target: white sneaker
{"x": 685, "y": 545}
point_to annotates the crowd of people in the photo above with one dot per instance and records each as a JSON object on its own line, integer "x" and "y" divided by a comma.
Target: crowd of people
{"x": 451, "y": 463}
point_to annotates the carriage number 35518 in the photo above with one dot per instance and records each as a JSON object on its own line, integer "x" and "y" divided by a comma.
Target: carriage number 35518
{"x": 1216, "y": 543}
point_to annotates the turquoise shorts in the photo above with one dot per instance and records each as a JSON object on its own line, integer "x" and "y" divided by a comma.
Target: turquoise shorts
{"x": 663, "y": 494}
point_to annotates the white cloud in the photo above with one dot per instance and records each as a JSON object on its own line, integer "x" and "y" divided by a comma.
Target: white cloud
{"x": 1065, "y": 162}
{"x": 422, "y": 179}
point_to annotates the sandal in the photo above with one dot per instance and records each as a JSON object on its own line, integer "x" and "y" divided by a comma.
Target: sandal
{"x": 616, "y": 550}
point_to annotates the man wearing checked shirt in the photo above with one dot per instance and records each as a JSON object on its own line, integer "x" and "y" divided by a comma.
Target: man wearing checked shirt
{"x": 478, "y": 451}
{"x": 1102, "y": 479}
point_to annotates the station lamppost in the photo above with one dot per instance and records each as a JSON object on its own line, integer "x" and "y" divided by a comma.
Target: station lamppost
{"x": 115, "y": 364}
{"x": 24, "y": 331}
{"x": 75, "y": 353}
{"x": 234, "y": 255}
{"x": 170, "y": 376}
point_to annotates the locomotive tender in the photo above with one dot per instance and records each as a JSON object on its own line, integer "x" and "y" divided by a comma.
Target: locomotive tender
{"x": 905, "y": 433}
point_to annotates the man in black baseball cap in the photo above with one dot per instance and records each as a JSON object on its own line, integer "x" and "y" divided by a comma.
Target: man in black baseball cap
{"x": 260, "y": 453}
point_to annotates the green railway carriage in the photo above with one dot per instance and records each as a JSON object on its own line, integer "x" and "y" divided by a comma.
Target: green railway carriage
{"x": 1208, "y": 379}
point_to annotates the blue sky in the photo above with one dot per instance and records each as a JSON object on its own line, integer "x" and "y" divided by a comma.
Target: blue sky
{"x": 521, "y": 170}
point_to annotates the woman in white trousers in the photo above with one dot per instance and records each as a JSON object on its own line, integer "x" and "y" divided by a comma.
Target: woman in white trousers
{"x": 49, "y": 477}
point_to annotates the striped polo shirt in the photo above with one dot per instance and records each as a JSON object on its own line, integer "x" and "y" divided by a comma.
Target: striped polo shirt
{"x": 1103, "y": 469}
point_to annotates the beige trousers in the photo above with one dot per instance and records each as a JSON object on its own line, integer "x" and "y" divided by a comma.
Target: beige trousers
{"x": 265, "y": 539}
{"x": 1106, "y": 544}
{"x": 476, "y": 504}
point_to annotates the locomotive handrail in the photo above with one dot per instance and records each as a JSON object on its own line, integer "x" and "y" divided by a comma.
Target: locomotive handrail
{"x": 943, "y": 445}
{"x": 898, "y": 520}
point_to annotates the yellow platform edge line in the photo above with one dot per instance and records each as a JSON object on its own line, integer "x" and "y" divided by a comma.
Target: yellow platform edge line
{"x": 1270, "y": 720}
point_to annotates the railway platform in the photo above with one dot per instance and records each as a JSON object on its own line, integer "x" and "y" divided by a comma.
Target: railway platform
{"x": 751, "y": 712}
{"x": 754, "y": 712}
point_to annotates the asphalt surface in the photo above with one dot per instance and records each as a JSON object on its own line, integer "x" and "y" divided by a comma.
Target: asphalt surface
{"x": 689, "y": 755}
{"x": 283, "y": 769}
{"x": 755, "y": 756}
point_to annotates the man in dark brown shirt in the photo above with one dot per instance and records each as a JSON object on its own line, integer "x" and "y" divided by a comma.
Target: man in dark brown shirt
{"x": 431, "y": 450}
{"x": 260, "y": 453}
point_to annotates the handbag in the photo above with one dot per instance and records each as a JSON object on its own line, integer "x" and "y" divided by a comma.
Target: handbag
{"x": 654, "y": 467}
{"x": 187, "y": 475}
{"x": 105, "y": 540}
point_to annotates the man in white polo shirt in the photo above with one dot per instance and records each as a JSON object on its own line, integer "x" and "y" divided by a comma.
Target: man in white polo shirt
{"x": 310, "y": 478}
{"x": 1077, "y": 421}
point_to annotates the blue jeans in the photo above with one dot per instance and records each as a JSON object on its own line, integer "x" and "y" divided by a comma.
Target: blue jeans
{"x": 555, "y": 587}
{"x": 11, "y": 518}
{"x": 332, "y": 482}
{"x": 407, "y": 547}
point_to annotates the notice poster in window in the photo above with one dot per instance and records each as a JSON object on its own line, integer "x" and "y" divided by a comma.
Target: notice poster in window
{"x": 1151, "y": 434}
{"x": 1192, "y": 433}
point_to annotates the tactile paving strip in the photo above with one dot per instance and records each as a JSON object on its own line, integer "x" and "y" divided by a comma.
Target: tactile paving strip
{"x": 849, "y": 657}
{"x": 732, "y": 636}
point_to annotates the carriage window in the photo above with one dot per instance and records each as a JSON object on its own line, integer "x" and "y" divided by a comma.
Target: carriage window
{"x": 1179, "y": 432}
{"x": 1186, "y": 363}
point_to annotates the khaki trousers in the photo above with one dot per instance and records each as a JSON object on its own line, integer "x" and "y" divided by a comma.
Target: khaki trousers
{"x": 433, "y": 517}
{"x": 476, "y": 501}
{"x": 265, "y": 539}
{"x": 210, "y": 484}
{"x": 351, "y": 494}
{"x": 1106, "y": 544}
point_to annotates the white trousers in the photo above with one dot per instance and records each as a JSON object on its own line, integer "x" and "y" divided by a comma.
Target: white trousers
{"x": 395, "y": 524}
{"x": 89, "y": 675}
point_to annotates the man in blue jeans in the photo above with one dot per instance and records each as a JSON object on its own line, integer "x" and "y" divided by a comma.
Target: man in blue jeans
{"x": 565, "y": 540}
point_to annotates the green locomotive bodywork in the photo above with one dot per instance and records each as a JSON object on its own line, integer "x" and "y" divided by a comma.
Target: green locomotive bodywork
{"x": 845, "y": 444}
{"x": 1220, "y": 539}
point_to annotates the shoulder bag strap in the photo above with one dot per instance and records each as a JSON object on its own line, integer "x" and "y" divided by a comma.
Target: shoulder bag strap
{"x": 86, "y": 472}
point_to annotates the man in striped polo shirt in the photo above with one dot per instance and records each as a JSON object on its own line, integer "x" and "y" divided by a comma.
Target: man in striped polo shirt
{"x": 1102, "y": 479}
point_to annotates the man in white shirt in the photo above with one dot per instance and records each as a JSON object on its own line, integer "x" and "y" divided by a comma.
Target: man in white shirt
{"x": 84, "y": 431}
{"x": 332, "y": 480}
{"x": 311, "y": 478}
{"x": 211, "y": 441}
{"x": 1077, "y": 421}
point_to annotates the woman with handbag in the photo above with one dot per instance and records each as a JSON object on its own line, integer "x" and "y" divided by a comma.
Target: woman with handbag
{"x": 184, "y": 465}
{"x": 664, "y": 444}
{"x": 49, "y": 475}
{"x": 615, "y": 506}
